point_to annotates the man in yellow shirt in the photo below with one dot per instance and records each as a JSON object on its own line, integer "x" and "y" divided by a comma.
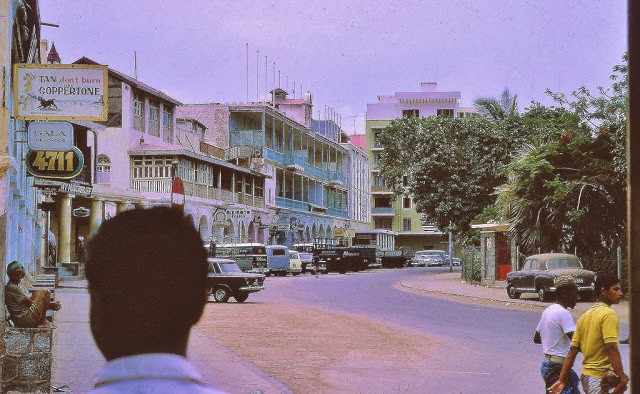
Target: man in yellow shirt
{"x": 596, "y": 336}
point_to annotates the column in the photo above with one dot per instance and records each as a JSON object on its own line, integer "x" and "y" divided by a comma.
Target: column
{"x": 95, "y": 218}
{"x": 64, "y": 241}
{"x": 121, "y": 206}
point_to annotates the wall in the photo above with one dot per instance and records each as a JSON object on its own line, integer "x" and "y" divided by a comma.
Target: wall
{"x": 26, "y": 360}
{"x": 215, "y": 117}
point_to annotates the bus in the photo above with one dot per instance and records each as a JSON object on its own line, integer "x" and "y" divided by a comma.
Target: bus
{"x": 250, "y": 257}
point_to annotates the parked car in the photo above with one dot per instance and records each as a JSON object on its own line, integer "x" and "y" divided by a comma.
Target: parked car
{"x": 539, "y": 271}
{"x": 295, "y": 264}
{"x": 456, "y": 261}
{"x": 307, "y": 262}
{"x": 419, "y": 259}
{"x": 226, "y": 279}
{"x": 434, "y": 258}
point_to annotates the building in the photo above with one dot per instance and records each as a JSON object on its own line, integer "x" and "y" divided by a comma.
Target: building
{"x": 21, "y": 222}
{"x": 307, "y": 168}
{"x": 393, "y": 213}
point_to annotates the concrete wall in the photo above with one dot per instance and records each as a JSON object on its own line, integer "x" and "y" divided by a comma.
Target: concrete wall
{"x": 215, "y": 117}
{"x": 26, "y": 360}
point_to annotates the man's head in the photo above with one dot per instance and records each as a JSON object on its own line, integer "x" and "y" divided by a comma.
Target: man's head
{"x": 608, "y": 289}
{"x": 566, "y": 291}
{"x": 15, "y": 271}
{"x": 147, "y": 272}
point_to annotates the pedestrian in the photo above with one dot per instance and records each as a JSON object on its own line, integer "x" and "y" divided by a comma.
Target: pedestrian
{"x": 554, "y": 332}
{"x": 147, "y": 272}
{"x": 26, "y": 310}
{"x": 596, "y": 336}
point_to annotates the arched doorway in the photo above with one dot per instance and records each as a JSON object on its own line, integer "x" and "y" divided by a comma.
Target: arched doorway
{"x": 252, "y": 232}
{"x": 204, "y": 229}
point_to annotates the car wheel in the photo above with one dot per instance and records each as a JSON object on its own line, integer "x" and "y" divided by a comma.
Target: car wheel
{"x": 220, "y": 294}
{"x": 512, "y": 293}
{"x": 241, "y": 297}
{"x": 543, "y": 295}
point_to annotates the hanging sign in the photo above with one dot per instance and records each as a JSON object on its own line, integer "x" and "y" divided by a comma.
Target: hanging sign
{"x": 54, "y": 164}
{"x": 60, "y": 92}
{"x": 50, "y": 136}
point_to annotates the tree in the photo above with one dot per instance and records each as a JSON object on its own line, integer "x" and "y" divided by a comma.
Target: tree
{"x": 497, "y": 108}
{"x": 568, "y": 191}
{"x": 453, "y": 164}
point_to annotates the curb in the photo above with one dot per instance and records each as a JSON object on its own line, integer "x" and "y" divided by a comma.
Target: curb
{"x": 474, "y": 297}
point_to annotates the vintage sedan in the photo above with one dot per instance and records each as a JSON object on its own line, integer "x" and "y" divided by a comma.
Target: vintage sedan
{"x": 539, "y": 272}
{"x": 226, "y": 279}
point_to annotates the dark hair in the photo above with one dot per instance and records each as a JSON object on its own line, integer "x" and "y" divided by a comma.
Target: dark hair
{"x": 605, "y": 281}
{"x": 149, "y": 269}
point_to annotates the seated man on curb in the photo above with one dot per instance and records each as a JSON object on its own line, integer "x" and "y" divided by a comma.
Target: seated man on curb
{"x": 27, "y": 311}
{"x": 147, "y": 272}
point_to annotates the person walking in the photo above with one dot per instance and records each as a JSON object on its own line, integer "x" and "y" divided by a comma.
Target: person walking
{"x": 596, "y": 336}
{"x": 554, "y": 332}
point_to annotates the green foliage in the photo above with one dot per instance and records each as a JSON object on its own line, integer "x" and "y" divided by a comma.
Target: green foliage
{"x": 453, "y": 164}
{"x": 497, "y": 108}
{"x": 567, "y": 190}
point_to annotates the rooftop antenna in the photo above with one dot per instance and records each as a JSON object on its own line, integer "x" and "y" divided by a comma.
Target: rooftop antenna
{"x": 135, "y": 65}
{"x": 257, "y": 75}
{"x": 247, "y": 51}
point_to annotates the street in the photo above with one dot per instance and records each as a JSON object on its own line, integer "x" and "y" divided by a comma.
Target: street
{"x": 359, "y": 333}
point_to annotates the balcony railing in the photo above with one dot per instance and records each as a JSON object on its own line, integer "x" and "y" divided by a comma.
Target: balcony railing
{"x": 163, "y": 186}
{"x": 337, "y": 212}
{"x": 383, "y": 211}
{"x": 337, "y": 176}
{"x": 211, "y": 150}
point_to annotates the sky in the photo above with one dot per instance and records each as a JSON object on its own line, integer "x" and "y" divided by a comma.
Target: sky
{"x": 346, "y": 52}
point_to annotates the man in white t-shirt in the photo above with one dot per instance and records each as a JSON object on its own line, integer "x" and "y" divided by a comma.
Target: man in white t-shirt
{"x": 554, "y": 332}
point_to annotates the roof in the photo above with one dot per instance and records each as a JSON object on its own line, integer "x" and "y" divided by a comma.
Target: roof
{"x": 131, "y": 81}
{"x": 551, "y": 256}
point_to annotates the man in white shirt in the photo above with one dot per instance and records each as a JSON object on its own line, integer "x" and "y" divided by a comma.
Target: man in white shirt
{"x": 147, "y": 273}
{"x": 554, "y": 332}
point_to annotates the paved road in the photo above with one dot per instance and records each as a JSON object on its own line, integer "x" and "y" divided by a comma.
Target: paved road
{"x": 501, "y": 357}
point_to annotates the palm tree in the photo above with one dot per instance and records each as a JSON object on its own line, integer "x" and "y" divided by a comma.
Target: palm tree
{"x": 497, "y": 108}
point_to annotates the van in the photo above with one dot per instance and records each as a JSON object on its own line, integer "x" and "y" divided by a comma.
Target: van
{"x": 277, "y": 260}
{"x": 295, "y": 263}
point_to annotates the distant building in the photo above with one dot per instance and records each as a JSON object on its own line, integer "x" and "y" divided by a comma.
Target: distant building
{"x": 393, "y": 213}
{"x": 306, "y": 163}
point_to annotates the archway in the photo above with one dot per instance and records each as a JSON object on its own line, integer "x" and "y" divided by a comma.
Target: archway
{"x": 252, "y": 232}
{"x": 229, "y": 232}
{"x": 329, "y": 232}
{"x": 307, "y": 236}
{"x": 314, "y": 231}
{"x": 204, "y": 229}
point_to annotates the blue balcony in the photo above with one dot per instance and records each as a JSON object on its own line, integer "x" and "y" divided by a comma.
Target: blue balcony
{"x": 338, "y": 213}
{"x": 286, "y": 203}
{"x": 337, "y": 177}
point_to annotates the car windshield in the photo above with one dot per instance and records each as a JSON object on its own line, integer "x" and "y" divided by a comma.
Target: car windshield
{"x": 229, "y": 267}
{"x": 563, "y": 263}
{"x": 306, "y": 256}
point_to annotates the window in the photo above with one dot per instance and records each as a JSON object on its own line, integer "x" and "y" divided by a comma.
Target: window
{"x": 445, "y": 112}
{"x": 379, "y": 181}
{"x": 138, "y": 112}
{"x": 406, "y": 224}
{"x": 376, "y": 140}
{"x": 152, "y": 167}
{"x": 406, "y": 203}
{"x": 384, "y": 202}
{"x": 103, "y": 169}
{"x": 167, "y": 125}
{"x": 405, "y": 181}
{"x": 376, "y": 158}
{"x": 382, "y": 223}
{"x": 410, "y": 113}
{"x": 154, "y": 118}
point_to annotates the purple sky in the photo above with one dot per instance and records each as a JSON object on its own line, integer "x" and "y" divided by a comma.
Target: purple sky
{"x": 346, "y": 52}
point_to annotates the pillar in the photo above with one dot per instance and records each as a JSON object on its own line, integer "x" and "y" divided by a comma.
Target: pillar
{"x": 64, "y": 241}
{"x": 121, "y": 206}
{"x": 95, "y": 218}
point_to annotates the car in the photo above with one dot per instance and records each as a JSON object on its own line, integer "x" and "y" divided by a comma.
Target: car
{"x": 226, "y": 279}
{"x": 434, "y": 258}
{"x": 418, "y": 260}
{"x": 307, "y": 262}
{"x": 456, "y": 261}
{"x": 295, "y": 263}
{"x": 539, "y": 272}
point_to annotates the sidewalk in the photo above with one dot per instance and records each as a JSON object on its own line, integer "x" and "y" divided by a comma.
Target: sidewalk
{"x": 451, "y": 284}
{"x": 76, "y": 359}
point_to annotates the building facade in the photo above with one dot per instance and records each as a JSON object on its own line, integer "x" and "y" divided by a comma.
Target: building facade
{"x": 393, "y": 213}
{"x": 307, "y": 169}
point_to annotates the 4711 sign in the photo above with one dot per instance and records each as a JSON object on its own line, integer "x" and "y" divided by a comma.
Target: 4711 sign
{"x": 55, "y": 164}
